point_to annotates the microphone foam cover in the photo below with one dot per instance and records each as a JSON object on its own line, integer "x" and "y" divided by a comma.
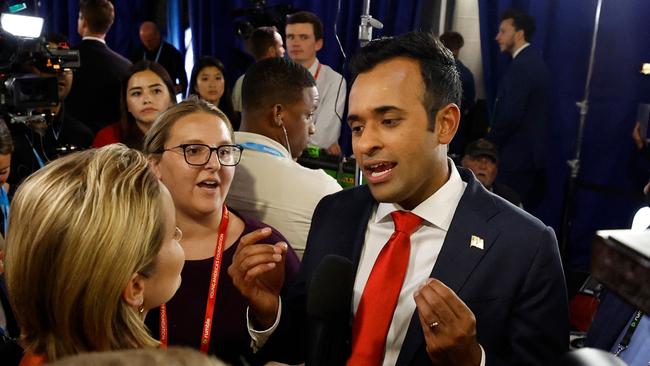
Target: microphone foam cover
{"x": 330, "y": 290}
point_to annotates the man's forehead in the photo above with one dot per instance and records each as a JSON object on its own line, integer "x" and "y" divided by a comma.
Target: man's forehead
{"x": 395, "y": 84}
{"x": 300, "y": 28}
{"x": 397, "y": 69}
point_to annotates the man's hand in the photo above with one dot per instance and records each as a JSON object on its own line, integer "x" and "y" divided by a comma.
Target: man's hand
{"x": 448, "y": 324}
{"x": 257, "y": 271}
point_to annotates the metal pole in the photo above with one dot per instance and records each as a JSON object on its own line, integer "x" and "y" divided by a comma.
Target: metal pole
{"x": 574, "y": 164}
{"x": 367, "y": 23}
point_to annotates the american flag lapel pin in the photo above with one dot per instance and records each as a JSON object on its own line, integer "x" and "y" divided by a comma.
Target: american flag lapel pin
{"x": 476, "y": 242}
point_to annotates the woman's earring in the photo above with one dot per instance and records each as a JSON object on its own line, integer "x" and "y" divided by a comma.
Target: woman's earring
{"x": 141, "y": 307}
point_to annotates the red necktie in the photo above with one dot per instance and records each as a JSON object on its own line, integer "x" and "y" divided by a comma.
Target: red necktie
{"x": 379, "y": 298}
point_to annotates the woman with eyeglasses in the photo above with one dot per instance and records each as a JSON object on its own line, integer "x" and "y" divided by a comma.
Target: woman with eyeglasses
{"x": 191, "y": 150}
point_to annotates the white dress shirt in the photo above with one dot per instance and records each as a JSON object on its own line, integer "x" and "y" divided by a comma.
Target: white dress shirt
{"x": 518, "y": 51}
{"x": 276, "y": 190}
{"x": 328, "y": 125}
{"x": 91, "y": 38}
{"x": 237, "y": 103}
{"x": 426, "y": 242}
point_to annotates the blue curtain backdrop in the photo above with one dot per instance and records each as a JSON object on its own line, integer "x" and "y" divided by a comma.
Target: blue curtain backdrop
{"x": 61, "y": 17}
{"x": 213, "y": 26}
{"x": 610, "y": 162}
{"x": 213, "y": 33}
{"x": 564, "y": 31}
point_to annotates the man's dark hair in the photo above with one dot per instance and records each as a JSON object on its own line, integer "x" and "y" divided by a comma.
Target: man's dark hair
{"x": 452, "y": 40}
{"x": 437, "y": 66}
{"x": 98, "y": 13}
{"x": 261, "y": 39}
{"x": 307, "y": 17}
{"x": 521, "y": 21}
{"x": 273, "y": 81}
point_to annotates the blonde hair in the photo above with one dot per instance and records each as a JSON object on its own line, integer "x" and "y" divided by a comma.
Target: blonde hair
{"x": 79, "y": 229}
{"x": 173, "y": 356}
{"x": 158, "y": 134}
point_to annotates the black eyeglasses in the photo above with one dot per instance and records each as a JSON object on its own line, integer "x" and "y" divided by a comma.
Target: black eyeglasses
{"x": 199, "y": 154}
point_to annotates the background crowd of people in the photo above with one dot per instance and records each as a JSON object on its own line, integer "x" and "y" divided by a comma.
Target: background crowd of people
{"x": 151, "y": 210}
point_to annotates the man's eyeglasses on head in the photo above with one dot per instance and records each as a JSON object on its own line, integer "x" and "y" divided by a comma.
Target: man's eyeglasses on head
{"x": 199, "y": 154}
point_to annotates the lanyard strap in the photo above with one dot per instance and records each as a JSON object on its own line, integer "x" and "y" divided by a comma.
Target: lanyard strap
{"x": 38, "y": 157}
{"x": 212, "y": 292}
{"x": 157, "y": 54}
{"x": 625, "y": 342}
{"x": 261, "y": 148}
{"x": 4, "y": 206}
{"x": 317, "y": 71}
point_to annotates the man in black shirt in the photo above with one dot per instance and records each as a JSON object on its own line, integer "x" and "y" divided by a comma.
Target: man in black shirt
{"x": 154, "y": 49}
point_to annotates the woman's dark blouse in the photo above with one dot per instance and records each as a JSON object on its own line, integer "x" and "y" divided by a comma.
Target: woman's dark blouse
{"x": 229, "y": 339}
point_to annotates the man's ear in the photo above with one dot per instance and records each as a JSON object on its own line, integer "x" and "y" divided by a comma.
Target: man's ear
{"x": 520, "y": 34}
{"x": 319, "y": 44}
{"x": 154, "y": 164}
{"x": 270, "y": 52}
{"x": 278, "y": 110}
{"x": 133, "y": 293}
{"x": 447, "y": 122}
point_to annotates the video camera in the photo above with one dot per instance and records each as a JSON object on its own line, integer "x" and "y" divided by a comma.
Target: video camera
{"x": 20, "y": 91}
{"x": 259, "y": 15}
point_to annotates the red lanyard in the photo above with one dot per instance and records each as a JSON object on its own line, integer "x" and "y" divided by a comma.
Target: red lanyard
{"x": 317, "y": 71}
{"x": 212, "y": 292}
{"x": 30, "y": 359}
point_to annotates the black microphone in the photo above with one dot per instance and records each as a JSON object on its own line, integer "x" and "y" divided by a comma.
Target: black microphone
{"x": 329, "y": 304}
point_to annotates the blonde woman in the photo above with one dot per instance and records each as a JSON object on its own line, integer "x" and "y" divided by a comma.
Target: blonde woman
{"x": 191, "y": 148}
{"x": 177, "y": 356}
{"x": 92, "y": 246}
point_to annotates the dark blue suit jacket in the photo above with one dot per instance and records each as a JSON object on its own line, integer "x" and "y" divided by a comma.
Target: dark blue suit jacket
{"x": 95, "y": 95}
{"x": 515, "y": 286}
{"x": 518, "y": 126}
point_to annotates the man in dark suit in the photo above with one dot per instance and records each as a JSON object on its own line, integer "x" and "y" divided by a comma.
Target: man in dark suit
{"x": 454, "y": 41}
{"x": 519, "y": 120}
{"x": 95, "y": 95}
{"x": 155, "y": 49}
{"x": 482, "y": 281}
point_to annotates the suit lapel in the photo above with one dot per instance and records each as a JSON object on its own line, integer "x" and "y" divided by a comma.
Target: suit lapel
{"x": 361, "y": 214}
{"x": 457, "y": 259}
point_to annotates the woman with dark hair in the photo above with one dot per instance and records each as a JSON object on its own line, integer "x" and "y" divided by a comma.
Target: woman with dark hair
{"x": 208, "y": 81}
{"x": 146, "y": 92}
